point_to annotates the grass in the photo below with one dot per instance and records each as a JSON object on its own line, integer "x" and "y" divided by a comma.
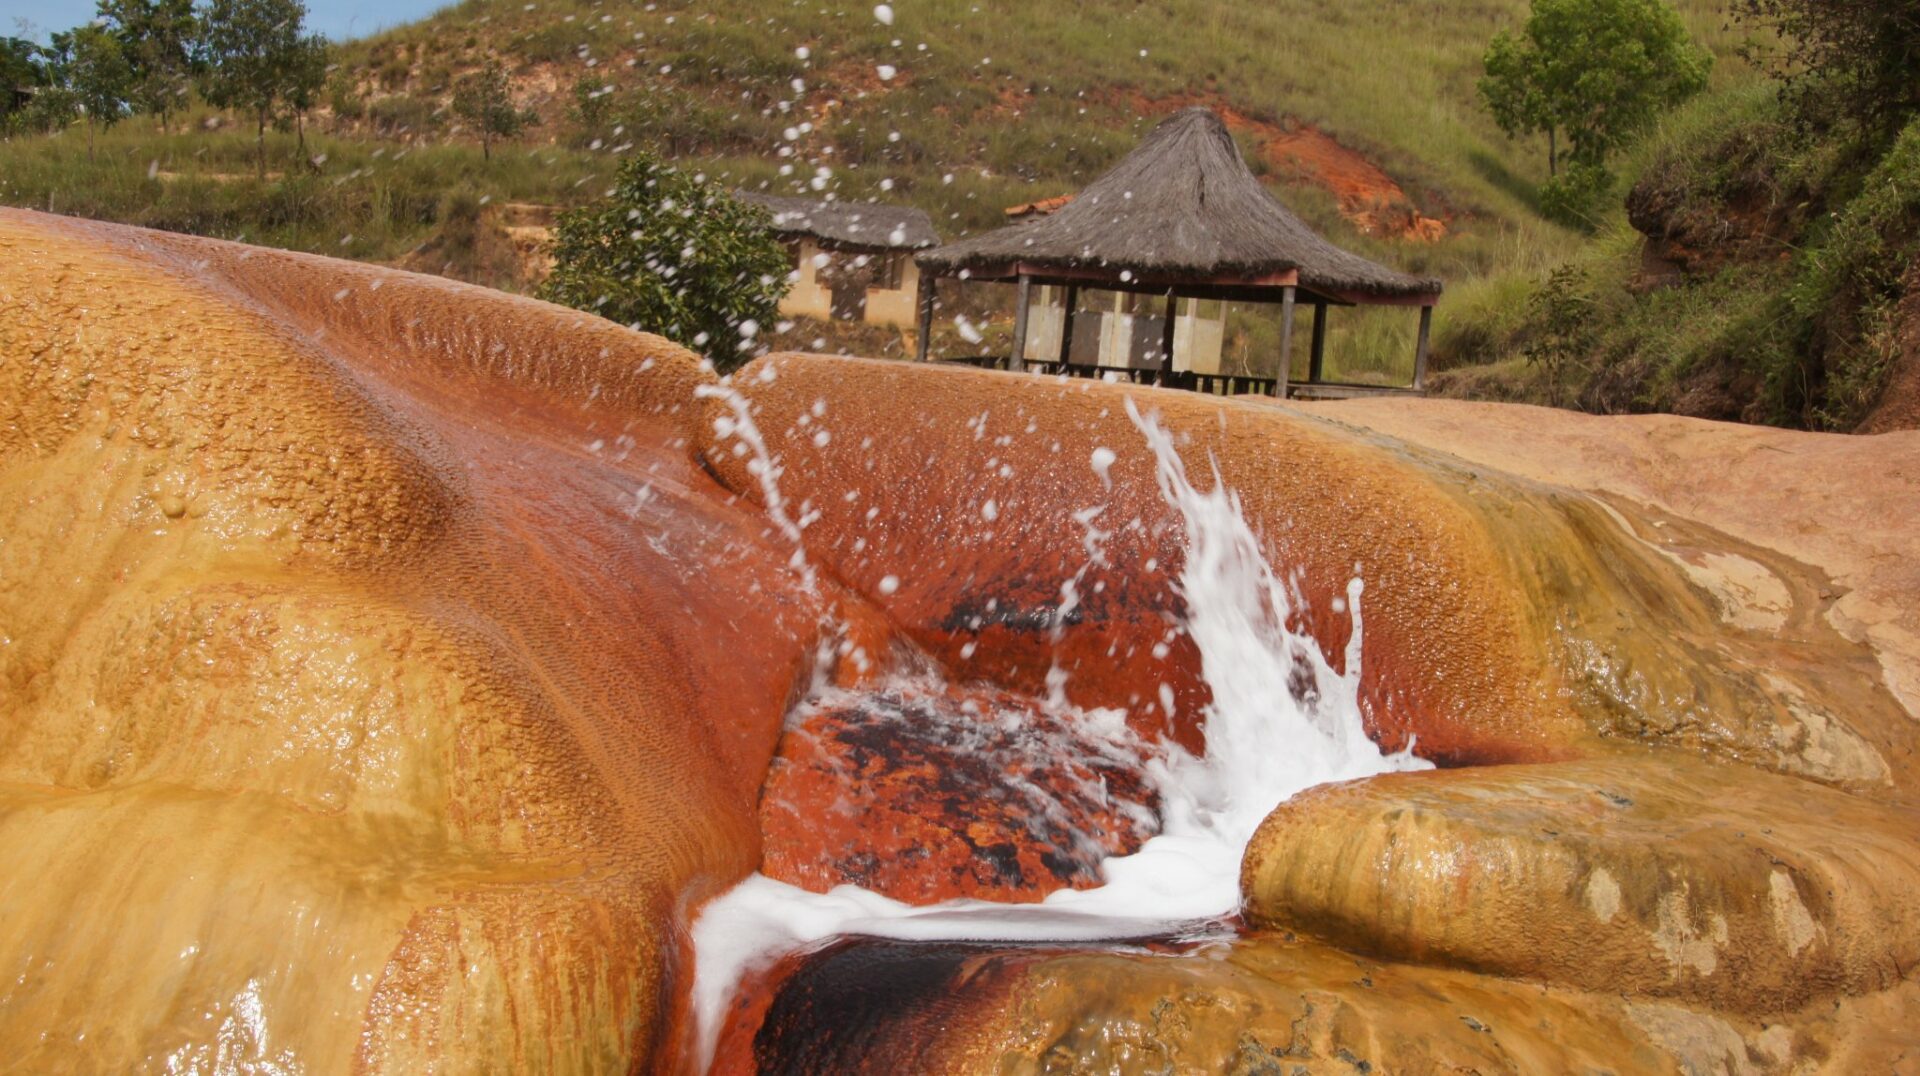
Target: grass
{"x": 355, "y": 198}
{"x": 1803, "y": 250}
{"x": 992, "y": 104}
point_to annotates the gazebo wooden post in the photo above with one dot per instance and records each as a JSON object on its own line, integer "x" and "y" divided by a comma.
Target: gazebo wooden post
{"x": 1166, "y": 340}
{"x": 1317, "y": 362}
{"x": 925, "y": 302}
{"x": 1017, "y": 361}
{"x": 1066, "y": 326}
{"x": 1420, "y": 347}
{"x": 1286, "y": 343}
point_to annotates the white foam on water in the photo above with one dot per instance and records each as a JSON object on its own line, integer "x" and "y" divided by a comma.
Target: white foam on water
{"x": 1262, "y": 745}
{"x": 765, "y": 467}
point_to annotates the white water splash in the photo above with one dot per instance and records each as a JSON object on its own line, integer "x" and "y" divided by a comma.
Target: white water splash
{"x": 1264, "y": 744}
{"x": 766, "y": 468}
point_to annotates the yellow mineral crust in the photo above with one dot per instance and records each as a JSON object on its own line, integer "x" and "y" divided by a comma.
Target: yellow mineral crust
{"x": 350, "y": 624}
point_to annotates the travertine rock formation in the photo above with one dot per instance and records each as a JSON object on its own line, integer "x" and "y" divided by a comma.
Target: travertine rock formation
{"x": 390, "y": 669}
{"x": 381, "y": 683}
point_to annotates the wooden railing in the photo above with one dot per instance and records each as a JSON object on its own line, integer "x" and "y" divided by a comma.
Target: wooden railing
{"x": 1213, "y": 384}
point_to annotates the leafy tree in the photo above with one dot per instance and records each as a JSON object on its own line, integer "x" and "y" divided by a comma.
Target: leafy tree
{"x": 306, "y": 78}
{"x": 159, "y": 38}
{"x": 38, "y": 92}
{"x": 674, "y": 254}
{"x": 21, "y": 75}
{"x": 1846, "y": 59}
{"x": 95, "y": 68}
{"x": 593, "y": 101}
{"x": 485, "y": 101}
{"x": 258, "y": 60}
{"x": 1596, "y": 71}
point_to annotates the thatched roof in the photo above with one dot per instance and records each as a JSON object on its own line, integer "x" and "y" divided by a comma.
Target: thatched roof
{"x": 1181, "y": 205}
{"x": 848, "y": 224}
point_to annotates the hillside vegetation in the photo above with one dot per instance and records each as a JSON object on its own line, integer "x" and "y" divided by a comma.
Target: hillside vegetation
{"x": 1762, "y": 268}
{"x": 1363, "y": 115}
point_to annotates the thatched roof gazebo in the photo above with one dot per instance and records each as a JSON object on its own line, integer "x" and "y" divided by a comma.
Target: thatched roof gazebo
{"x": 1180, "y": 216}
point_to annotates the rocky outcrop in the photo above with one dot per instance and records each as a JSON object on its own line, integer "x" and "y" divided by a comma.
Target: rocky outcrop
{"x": 1265, "y": 1003}
{"x": 396, "y": 667}
{"x": 352, "y": 621}
{"x": 930, "y": 792}
{"x": 1651, "y": 877}
{"x": 1828, "y": 519}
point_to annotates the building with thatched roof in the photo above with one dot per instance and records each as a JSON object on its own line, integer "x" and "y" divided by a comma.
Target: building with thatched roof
{"x": 1118, "y": 329}
{"x": 1182, "y": 218}
{"x": 852, "y": 261}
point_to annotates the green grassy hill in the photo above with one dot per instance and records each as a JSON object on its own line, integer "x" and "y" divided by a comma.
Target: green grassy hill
{"x": 961, "y": 107}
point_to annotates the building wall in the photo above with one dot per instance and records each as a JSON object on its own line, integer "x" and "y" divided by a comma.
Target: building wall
{"x": 1199, "y": 335}
{"x": 895, "y": 306}
{"x": 806, "y": 297}
{"x": 1199, "y": 328}
{"x": 1046, "y": 315}
{"x": 809, "y": 297}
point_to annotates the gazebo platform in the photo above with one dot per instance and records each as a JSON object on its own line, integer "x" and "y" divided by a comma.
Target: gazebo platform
{"x": 1210, "y": 384}
{"x": 1180, "y": 218}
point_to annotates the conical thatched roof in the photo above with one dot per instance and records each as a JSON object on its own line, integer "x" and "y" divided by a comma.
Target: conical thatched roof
{"x": 1183, "y": 204}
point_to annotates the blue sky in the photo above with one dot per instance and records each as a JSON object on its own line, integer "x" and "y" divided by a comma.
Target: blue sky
{"x": 338, "y": 19}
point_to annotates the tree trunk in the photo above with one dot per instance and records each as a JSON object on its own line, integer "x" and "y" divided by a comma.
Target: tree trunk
{"x": 89, "y": 136}
{"x": 260, "y": 144}
{"x": 1553, "y": 154}
{"x": 486, "y": 145}
{"x": 300, "y": 131}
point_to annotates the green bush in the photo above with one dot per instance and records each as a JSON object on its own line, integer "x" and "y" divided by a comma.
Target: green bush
{"x": 672, "y": 254}
{"x": 1577, "y": 196}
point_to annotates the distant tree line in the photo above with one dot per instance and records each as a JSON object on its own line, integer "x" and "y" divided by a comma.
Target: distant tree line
{"x": 149, "y": 56}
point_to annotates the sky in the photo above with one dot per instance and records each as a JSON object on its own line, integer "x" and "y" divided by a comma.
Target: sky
{"x": 338, "y": 19}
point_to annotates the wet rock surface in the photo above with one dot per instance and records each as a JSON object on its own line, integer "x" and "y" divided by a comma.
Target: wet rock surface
{"x": 1266, "y": 1003}
{"x": 1842, "y": 507}
{"x": 935, "y": 794}
{"x": 1651, "y": 877}
{"x": 348, "y": 705}
{"x": 398, "y": 667}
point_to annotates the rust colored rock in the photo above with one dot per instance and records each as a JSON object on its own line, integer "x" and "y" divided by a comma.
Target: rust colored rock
{"x": 964, "y": 522}
{"x": 1504, "y": 621}
{"x": 1646, "y": 874}
{"x": 380, "y": 663}
{"x": 929, "y": 793}
{"x": 383, "y": 687}
{"x": 866, "y": 1005}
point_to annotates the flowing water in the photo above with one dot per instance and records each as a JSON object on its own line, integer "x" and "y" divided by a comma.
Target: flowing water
{"x": 1282, "y": 719}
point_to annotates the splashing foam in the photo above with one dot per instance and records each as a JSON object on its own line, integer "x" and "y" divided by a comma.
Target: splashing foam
{"x": 765, "y": 467}
{"x": 1282, "y": 720}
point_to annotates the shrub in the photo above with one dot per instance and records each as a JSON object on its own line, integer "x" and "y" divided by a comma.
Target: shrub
{"x": 1563, "y": 329}
{"x": 674, "y": 254}
{"x": 1575, "y": 197}
{"x": 1845, "y": 59}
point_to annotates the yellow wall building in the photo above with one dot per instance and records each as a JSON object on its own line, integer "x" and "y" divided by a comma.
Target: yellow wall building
{"x": 852, "y": 261}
